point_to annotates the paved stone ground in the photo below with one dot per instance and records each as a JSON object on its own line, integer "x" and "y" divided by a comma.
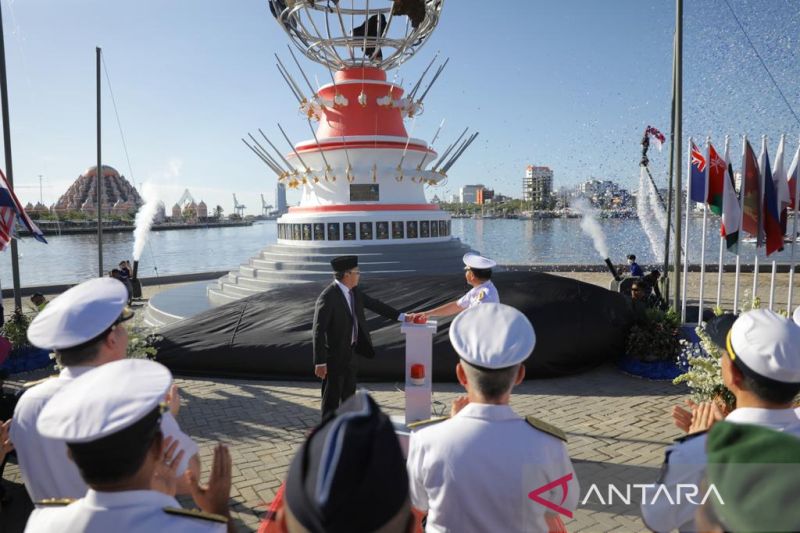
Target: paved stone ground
{"x": 617, "y": 427}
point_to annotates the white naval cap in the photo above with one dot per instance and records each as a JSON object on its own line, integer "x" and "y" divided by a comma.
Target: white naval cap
{"x": 475, "y": 260}
{"x": 104, "y": 401}
{"x": 492, "y": 336}
{"x": 80, "y": 314}
{"x": 767, "y": 344}
{"x": 796, "y": 316}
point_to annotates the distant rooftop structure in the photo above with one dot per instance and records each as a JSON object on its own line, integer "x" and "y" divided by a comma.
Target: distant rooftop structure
{"x": 118, "y": 196}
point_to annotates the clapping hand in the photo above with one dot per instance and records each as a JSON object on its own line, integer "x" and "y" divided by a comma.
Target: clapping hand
{"x": 165, "y": 475}
{"x": 704, "y": 416}
{"x": 173, "y": 400}
{"x": 458, "y": 404}
{"x": 213, "y": 498}
{"x": 682, "y": 418}
{"x": 5, "y": 442}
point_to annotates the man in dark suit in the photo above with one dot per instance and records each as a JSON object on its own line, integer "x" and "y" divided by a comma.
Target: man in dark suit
{"x": 338, "y": 338}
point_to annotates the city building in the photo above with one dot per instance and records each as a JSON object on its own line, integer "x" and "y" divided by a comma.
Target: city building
{"x": 469, "y": 194}
{"x": 483, "y": 196}
{"x": 281, "y": 208}
{"x": 605, "y": 194}
{"x": 537, "y": 186}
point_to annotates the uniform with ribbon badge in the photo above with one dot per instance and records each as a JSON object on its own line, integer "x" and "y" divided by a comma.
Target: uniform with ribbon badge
{"x": 478, "y": 274}
{"x": 760, "y": 359}
{"x": 110, "y": 421}
{"x": 475, "y": 471}
{"x": 84, "y": 328}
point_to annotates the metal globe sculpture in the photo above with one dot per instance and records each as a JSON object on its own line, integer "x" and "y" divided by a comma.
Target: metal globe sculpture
{"x": 360, "y": 173}
{"x": 350, "y": 33}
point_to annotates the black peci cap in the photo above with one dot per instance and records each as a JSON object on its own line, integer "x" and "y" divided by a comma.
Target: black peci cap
{"x": 350, "y": 474}
{"x": 718, "y": 327}
{"x": 344, "y": 263}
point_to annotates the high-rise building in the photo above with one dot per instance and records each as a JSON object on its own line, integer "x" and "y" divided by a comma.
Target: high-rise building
{"x": 537, "y": 186}
{"x": 469, "y": 194}
{"x": 280, "y": 200}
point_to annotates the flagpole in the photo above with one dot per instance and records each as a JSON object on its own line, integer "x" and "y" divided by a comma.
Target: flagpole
{"x": 794, "y": 233}
{"x": 778, "y": 161}
{"x": 99, "y": 174}
{"x": 761, "y": 181}
{"x": 9, "y": 166}
{"x": 720, "y": 271}
{"x": 722, "y": 239}
{"x": 741, "y": 228}
{"x": 678, "y": 136}
{"x": 703, "y": 236}
{"x": 687, "y": 208}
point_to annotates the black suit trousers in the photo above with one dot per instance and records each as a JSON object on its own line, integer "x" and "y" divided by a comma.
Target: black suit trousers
{"x": 340, "y": 382}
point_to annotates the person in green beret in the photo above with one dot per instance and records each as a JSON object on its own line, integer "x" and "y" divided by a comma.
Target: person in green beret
{"x": 754, "y": 471}
{"x": 760, "y": 360}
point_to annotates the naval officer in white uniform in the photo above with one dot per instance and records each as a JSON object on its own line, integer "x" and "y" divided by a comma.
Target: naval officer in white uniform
{"x": 478, "y": 272}
{"x": 760, "y": 357}
{"x": 83, "y": 326}
{"x": 109, "y": 419}
{"x": 477, "y": 470}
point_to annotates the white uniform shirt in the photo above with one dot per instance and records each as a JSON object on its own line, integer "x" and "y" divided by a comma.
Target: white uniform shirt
{"x": 128, "y": 511}
{"x": 474, "y": 472}
{"x": 46, "y": 469}
{"x": 484, "y": 293}
{"x": 685, "y": 465}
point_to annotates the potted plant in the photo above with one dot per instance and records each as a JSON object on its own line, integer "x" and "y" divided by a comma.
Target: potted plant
{"x": 23, "y": 356}
{"x": 653, "y": 345}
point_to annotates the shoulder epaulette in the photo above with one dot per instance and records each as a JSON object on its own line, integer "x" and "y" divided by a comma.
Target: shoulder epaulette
{"x": 422, "y": 423}
{"x": 54, "y": 502}
{"x": 550, "y": 429}
{"x": 690, "y": 436}
{"x": 193, "y": 513}
{"x": 29, "y": 384}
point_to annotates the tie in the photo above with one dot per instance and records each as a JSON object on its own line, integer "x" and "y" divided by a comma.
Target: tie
{"x": 354, "y": 336}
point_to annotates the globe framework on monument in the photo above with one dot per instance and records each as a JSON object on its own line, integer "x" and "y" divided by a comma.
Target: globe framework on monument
{"x": 361, "y": 176}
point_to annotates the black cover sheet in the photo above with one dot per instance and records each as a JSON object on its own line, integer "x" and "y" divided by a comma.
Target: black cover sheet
{"x": 268, "y": 335}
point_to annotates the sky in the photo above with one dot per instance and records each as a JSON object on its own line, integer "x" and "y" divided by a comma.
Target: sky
{"x": 569, "y": 84}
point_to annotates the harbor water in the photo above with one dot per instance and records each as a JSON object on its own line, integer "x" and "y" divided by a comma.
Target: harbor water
{"x": 73, "y": 258}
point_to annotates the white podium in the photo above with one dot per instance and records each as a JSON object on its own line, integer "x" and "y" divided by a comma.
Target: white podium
{"x": 419, "y": 351}
{"x": 419, "y": 356}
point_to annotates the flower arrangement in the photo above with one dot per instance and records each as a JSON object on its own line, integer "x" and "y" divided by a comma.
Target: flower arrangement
{"x": 704, "y": 377}
{"x": 140, "y": 340}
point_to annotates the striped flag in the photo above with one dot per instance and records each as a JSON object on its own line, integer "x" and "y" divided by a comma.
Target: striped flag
{"x": 751, "y": 199}
{"x": 770, "y": 213}
{"x": 10, "y": 209}
{"x": 731, "y": 212}
{"x": 716, "y": 179}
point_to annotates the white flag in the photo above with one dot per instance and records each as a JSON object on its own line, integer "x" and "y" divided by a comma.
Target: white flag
{"x": 731, "y": 212}
{"x": 779, "y": 178}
